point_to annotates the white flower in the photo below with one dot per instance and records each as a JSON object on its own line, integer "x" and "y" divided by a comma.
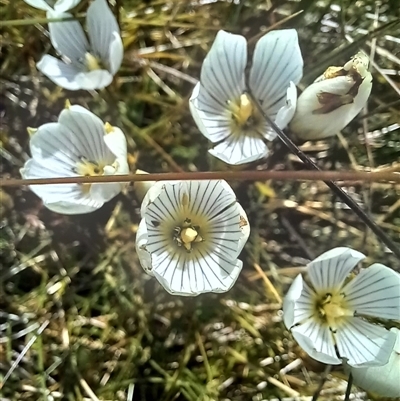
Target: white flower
{"x": 86, "y": 64}
{"x": 191, "y": 235}
{"x": 328, "y": 317}
{"x": 221, "y": 105}
{"x": 333, "y": 100}
{"x": 79, "y": 144}
{"x": 382, "y": 380}
{"x": 57, "y": 5}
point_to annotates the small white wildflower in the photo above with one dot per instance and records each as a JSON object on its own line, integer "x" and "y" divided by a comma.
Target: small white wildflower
{"x": 79, "y": 144}
{"x": 328, "y": 317}
{"x": 382, "y": 380}
{"x": 191, "y": 235}
{"x": 333, "y": 100}
{"x": 57, "y": 5}
{"x": 86, "y": 64}
{"x": 221, "y": 106}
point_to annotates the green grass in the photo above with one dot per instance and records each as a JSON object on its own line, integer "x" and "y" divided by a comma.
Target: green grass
{"x": 77, "y": 312}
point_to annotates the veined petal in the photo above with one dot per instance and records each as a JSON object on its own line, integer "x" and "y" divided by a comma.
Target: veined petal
{"x": 103, "y": 192}
{"x": 375, "y": 291}
{"x": 141, "y": 242}
{"x": 53, "y": 148}
{"x": 212, "y": 118}
{"x": 103, "y": 30}
{"x": 382, "y": 380}
{"x": 60, "y": 198}
{"x": 222, "y": 73}
{"x": 40, "y": 4}
{"x": 244, "y": 228}
{"x": 240, "y": 150}
{"x": 96, "y": 79}
{"x": 363, "y": 343}
{"x": 65, "y": 5}
{"x": 286, "y": 112}
{"x": 116, "y": 53}
{"x": 152, "y": 194}
{"x": 298, "y": 303}
{"x": 185, "y": 275}
{"x": 116, "y": 142}
{"x": 277, "y": 61}
{"x": 61, "y": 74}
{"x": 87, "y": 132}
{"x": 317, "y": 341}
{"x": 68, "y": 38}
{"x": 331, "y": 268}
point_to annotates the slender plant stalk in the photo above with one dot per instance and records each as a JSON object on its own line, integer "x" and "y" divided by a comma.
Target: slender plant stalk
{"x": 353, "y": 205}
{"x": 348, "y": 389}
{"x": 248, "y": 175}
{"x": 322, "y": 382}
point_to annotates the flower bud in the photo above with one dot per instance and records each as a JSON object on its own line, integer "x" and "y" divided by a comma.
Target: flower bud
{"x": 333, "y": 100}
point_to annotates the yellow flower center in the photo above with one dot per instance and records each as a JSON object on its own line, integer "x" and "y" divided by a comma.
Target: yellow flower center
{"x": 89, "y": 168}
{"x": 245, "y": 116}
{"x": 332, "y": 308}
{"x": 92, "y": 63}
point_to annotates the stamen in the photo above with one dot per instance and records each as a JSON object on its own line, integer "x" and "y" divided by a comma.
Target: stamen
{"x": 92, "y": 62}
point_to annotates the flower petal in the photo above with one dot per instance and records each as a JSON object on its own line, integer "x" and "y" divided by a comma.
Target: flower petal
{"x": 141, "y": 242}
{"x": 87, "y": 132}
{"x": 61, "y": 74}
{"x": 298, "y": 303}
{"x": 61, "y": 198}
{"x": 185, "y": 275}
{"x": 317, "y": 341}
{"x": 240, "y": 150}
{"x": 222, "y": 73}
{"x": 212, "y": 117}
{"x": 96, "y": 79}
{"x": 286, "y": 112}
{"x": 103, "y": 192}
{"x": 375, "y": 291}
{"x": 52, "y": 147}
{"x": 116, "y": 142}
{"x": 103, "y": 31}
{"x": 363, "y": 343}
{"x": 382, "y": 380}
{"x": 68, "y": 38}
{"x": 65, "y": 5}
{"x": 277, "y": 61}
{"x": 40, "y": 4}
{"x": 331, "y": 268}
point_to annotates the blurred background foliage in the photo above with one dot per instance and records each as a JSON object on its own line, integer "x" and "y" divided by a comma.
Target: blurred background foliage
{"x": 79, "y": 319}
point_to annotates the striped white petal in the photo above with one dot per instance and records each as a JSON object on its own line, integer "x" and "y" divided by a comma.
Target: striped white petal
{"x": 222, "y": 73}
{"x": 277, "y": 61}
{"x": 68, "y": 38}
{"x": 116, "y": 142}
{"x": 382, "y": 380}
{"x": 240, "y": 149}
{"x": 87, "y": 133}
{"x": 331, "y": 268}
{"x": 211, "y": 117}
{"x": 96, "y": 79}
{"x": 187, "y": 276}
{"x": 59, "y": 6}
{"x": 317, "y": 341}
{"x": 375, "y": 291}
{"x": 64, "y": 75}
{"x": 298, "y": 305}
{"x": 286, "y": 112}
{"x": 143, "y": 254}
{"x": 364, "y": 344}
{"x": 104, "y": 34}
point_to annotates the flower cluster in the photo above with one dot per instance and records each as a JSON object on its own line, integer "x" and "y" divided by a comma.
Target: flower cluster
{"x": 191, "y": 233}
